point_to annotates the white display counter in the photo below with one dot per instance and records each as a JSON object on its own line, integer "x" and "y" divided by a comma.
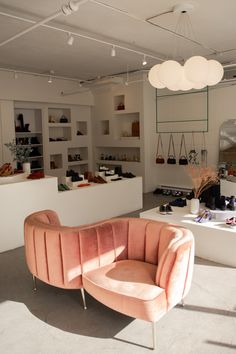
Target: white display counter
{"x": 214, "y": 240}
{"x": 75, "y": 207}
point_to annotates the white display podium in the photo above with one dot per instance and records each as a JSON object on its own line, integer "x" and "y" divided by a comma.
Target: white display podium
{"x": 214, "y": 240}
{"x": 75, "y": 207}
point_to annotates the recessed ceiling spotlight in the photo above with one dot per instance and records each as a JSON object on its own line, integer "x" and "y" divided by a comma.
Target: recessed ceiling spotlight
{"x": 70, "y": 39}
{"x": 144, "y": 62}
{"x": 113, "y": 51}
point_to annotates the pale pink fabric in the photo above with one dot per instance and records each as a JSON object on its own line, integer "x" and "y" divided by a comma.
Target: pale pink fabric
{"x": 139, "y": 267}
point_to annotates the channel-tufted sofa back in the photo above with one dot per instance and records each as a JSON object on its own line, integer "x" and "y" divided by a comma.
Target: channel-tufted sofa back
{"x": 58, "y": 255}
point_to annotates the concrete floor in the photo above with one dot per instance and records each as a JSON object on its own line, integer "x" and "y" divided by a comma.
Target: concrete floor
{"x": 52, "y": 320}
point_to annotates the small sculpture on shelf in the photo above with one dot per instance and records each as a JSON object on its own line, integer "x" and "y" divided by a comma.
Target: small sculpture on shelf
{"x": 22, "y": 127}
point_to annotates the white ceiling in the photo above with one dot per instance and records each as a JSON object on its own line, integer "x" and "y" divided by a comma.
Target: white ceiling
{"x": 44, "y": 49}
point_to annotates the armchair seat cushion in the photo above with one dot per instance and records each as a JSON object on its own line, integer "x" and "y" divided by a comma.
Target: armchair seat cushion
{"x": 128, "y": 286}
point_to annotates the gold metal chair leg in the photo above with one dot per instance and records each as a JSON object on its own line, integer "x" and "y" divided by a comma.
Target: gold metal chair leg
{"x": 154, "y": 335}
{"x": 34, "y": 283}
{"x": 83, "y": 298}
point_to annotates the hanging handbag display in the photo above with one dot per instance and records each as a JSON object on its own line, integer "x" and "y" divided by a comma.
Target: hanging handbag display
{"x": 203, "y": 151}
{"x": 193, "y": 154}
{"x": 159, "y": 157}
{"x": 171, "y": 160}
{"x": 183, "y": 160}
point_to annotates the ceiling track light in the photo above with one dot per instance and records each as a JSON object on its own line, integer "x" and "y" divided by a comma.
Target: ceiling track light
{"x": 70, "y": 39}
{"x": 70, "y": 7}
{"x": 144, "y": 62}
{"x": 50, "y": 80}
{"x": 113, "y": 51}
{"x": 15, "y": 75}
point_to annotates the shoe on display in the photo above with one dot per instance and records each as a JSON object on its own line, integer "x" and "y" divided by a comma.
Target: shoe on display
{"x": 221, "y": 203}
{"x": 179, "y": 202}
{"x": 162, "y": 209}
{"x": 231, "y": 222}
{"x": 169, "y": 210}
{"x": 231, "y": 204}
{"x": 204, "y": 216}
{"x": 211, "y": 203}
{"x": 158, "y": 191}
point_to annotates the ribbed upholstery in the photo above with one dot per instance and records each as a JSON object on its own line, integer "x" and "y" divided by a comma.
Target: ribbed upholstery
{"x": 52, "y": 251}
{"x": 104, "y": 257}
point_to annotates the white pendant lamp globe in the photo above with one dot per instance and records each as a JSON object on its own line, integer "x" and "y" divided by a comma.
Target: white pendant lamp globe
{"x": 215, "y": 72}
{"x": 184, "y": 84}
{"x": 153, "y": 77}
{"x": 170, "y": 73}
{"x": 196, "y": 69}
{"x": 196, "y": 73}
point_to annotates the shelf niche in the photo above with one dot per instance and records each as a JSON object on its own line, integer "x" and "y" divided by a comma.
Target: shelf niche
{"x": 32, "y": 120}
{"x": 119, "y": 103}
{"x": 55, "y": 115}
{"x": 81, "y": 127}
{"x": 118, "y": 154}
{"x": 63, "y": 133}
{"x": 77, "y": 154}
{"x": 55, "y": 161}
{"x": 127, "y": 125}
{"x": 104, "y": 127}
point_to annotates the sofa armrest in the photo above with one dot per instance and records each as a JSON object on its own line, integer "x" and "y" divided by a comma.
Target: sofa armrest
{"x": 174, "y": 271}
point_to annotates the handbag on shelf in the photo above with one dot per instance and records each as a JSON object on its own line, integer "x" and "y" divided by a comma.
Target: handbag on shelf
{"x": 159, "y": 157}
{"x": 183, "y": 160}
{"x": 171, "y": 160}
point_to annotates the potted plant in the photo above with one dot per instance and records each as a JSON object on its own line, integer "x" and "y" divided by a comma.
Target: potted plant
{"x": 20, "y": 154}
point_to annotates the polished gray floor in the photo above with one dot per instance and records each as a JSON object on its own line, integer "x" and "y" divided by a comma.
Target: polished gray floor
{"x": 52, "y": 320}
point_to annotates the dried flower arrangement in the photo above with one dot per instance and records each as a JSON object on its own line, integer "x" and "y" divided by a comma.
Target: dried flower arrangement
{"x": 202, "y": 178}
{"x": 20, "y": 153}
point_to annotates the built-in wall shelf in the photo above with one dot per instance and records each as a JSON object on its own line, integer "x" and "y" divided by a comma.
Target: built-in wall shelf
{"x": 29, "y": 132}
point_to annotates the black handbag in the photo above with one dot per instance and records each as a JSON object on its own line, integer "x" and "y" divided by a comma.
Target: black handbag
{"x": 171, "y": 160}
{"x": 183, "y": 160}
{"x": 159, "y": 157}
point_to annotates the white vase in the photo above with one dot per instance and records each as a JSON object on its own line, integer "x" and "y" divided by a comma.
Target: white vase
{"x": 26, "y": 167}
{"x": 194, "y": 206}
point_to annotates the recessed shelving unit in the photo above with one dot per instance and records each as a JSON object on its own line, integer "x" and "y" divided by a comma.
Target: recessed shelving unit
{"x": 28, "y": 132}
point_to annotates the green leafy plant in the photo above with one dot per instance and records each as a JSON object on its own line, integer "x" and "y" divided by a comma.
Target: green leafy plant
{"x": 20, "y": 153}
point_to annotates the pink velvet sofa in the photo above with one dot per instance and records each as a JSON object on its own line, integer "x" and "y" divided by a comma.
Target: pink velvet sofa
{"x": 139, "y": 267}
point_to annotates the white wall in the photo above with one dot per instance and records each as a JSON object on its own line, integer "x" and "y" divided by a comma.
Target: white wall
{"x": 37, "y": 89}
{"x": 222, "y": 106}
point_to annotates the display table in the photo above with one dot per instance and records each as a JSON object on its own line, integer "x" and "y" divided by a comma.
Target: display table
{"x": 214, "y": 240}
{"x": 75, "y": 207}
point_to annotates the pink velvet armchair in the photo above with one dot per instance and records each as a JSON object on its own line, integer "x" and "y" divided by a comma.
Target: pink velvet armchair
{"x": 138, "y": 267}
